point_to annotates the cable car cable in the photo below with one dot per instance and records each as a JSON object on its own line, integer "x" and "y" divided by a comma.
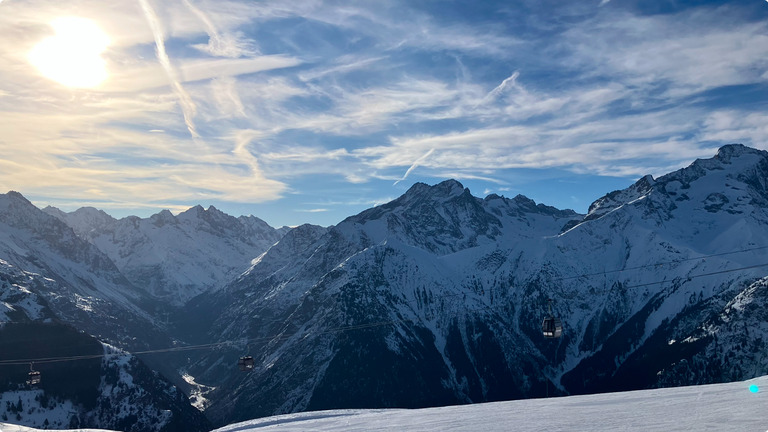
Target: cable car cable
{"x": 353, "y": 327}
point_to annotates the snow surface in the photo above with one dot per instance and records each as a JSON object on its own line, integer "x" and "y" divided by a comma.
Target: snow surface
{"x": 711, "y": 407}
{"x": 720, "y": 407}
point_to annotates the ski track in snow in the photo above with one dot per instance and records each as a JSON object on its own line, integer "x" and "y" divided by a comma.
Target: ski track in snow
{"x": 714, "y": 407}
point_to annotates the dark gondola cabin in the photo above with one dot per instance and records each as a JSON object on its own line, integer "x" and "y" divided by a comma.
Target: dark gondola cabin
{"x": 551, "y": 327}
{"x": 33, "y": 378}
{"x": 245, "y": 364}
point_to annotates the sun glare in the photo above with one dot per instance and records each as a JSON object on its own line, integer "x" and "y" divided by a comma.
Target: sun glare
{"x": 73, "y": 55}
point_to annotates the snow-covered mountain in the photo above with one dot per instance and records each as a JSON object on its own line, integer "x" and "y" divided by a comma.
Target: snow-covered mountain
{"x": 50, "y": 274}
{"x": 48, "y": 271}
{"x": 435, "y": 298}
{"x": 446, "y": 292}
{"x": 175, "y": 257}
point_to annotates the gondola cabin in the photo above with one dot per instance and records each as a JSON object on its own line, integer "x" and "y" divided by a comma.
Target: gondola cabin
{"x": 551, "y": 327}
{"x": 33, "y": 378}
{"x": 245, "y": 364}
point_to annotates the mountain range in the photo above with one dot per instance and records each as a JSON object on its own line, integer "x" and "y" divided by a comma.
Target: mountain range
{"x": 434, "y": 298}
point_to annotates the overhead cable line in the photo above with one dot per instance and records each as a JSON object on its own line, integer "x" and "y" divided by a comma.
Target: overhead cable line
{"x": 279, "y": 337}
{"x": 662, "y": 263}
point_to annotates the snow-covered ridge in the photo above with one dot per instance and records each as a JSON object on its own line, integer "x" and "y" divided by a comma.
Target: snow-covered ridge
{"x": 175, "y": 257}
{"x": 658, "y": 285}
{"x": 463, "y": 284}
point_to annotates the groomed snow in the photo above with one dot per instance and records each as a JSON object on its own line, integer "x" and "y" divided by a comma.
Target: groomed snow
{"x": 717, "y": 407}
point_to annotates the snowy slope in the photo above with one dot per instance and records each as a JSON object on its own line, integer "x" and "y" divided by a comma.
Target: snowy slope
{"x": 47, "y": 270}
{"x": 175, "y": 257}
{"x": 721, "y": 407}
{"x": 101, "y": 386}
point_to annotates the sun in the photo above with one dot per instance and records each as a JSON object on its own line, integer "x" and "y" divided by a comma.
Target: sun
{"x": 73, "y": 55}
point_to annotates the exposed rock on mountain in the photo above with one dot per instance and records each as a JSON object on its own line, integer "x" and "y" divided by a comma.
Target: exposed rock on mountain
{"x": 448, "y": 291}
{"x": 434, "y": 298}
{"x": 175, "y": 257}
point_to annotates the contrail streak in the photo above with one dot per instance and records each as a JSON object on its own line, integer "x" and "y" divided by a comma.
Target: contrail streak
{"x": 213, "y": 34}
{"x": 219, "y": 44}
{"x": 187, "y": 105}
{"x": 415, "y": 164}
{"x": 500, "y": 88}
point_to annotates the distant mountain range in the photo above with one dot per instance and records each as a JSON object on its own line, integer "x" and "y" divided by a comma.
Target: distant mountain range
{"x": 175, "y": 258}
{"x": 434, "y": 298}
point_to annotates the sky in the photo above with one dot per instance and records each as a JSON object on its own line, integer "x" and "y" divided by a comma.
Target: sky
{"x": 311, "y": 111}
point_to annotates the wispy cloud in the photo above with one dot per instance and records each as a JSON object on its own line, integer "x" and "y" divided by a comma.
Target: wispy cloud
{"x": 496, "y": 92}
{"x": 415, "y": 164}
{"x": 221, "y": 45}
{"x": 245, "y": 101}
{"x": 679, "y": 54}
{"x": 187, "y": 105}
{"x": 345, "y": 64}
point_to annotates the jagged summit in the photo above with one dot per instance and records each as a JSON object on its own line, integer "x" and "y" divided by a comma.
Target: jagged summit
{"x": 735, "y": 159}
{"x": 737, "y": 176}
{"x": 175, "y": 257}
{"x": 729, "y": 151}
{"x": 162, "y": 218}
{"x": 445, "y": 187}
{"x": 14, "y": 202}
{"x": 422, "y": 192}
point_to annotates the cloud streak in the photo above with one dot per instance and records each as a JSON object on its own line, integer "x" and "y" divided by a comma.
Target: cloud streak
{"x": 185, "y": 101}
{"x": 415, "y": 164}
{"x": 303, "y": 99}
{"x": 220, "y": 45}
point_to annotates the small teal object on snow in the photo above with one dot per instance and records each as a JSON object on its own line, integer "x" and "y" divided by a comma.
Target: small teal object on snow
{"x": 754, "y": 389}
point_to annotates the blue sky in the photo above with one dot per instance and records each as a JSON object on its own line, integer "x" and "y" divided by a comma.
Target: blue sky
{"x": 311, "y": 111}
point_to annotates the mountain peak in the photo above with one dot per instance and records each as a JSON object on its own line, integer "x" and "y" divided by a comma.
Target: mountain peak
{"x": 16, "y": 209}
{"x": 162, "y": 218}
{"x": 198, "y": 209}
{"x": 715, "y": 176}
{"x": 13, "y": 196}
{"x": 450, "y": 187}
{"x": 446, "y": 188}
{"x": 729, "y": 151}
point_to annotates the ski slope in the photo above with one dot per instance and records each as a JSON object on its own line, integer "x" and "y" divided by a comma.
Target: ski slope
{"x": 717, "y": 407}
